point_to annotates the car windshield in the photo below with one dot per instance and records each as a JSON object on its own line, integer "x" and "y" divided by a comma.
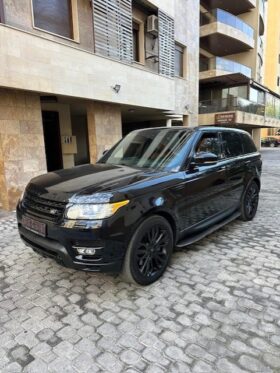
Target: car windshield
{"x": 162, "y": 149}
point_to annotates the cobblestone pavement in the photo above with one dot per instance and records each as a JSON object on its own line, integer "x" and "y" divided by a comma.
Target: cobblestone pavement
{"x": 217, "y": 309}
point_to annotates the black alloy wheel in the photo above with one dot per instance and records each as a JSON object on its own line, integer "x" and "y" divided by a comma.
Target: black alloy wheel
{"x": 149, "y": 251}
{"x": 250, "y": 202}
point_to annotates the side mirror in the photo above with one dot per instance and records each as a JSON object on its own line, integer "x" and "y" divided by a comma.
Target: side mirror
{"x": 205, "y": 159}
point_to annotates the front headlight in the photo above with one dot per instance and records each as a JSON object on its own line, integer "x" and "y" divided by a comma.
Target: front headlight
{"x": 93, "y": 211}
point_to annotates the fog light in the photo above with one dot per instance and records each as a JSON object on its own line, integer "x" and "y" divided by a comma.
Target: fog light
{"x": 86, "y": 250}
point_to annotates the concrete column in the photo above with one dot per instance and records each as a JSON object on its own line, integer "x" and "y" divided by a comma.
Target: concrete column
{"x": 256, "y": 134}
{"x": 168, "y": 122}
{"x": 104, "y": 127}
{"x": 22, "y": 148}
{"x": 186, "y": 121}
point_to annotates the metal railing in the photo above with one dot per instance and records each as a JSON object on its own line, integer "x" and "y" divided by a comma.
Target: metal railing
{"x": 223, "y": 64}
{"x": 231, "y": 104}
{"x": 220, "y": 15}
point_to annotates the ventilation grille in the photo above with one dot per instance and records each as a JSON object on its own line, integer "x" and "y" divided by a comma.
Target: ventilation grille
{"x": 166, "y": 45}
{"x": 113, "y": 29}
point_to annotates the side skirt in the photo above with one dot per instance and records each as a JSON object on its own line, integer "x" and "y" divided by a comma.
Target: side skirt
{"x": 190, "y": 240}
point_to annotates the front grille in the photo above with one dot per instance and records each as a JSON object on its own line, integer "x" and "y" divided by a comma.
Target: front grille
{"x": 43, "y": 208}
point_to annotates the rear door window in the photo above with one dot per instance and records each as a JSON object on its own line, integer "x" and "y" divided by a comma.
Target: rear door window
{"x": 232, "y": 144}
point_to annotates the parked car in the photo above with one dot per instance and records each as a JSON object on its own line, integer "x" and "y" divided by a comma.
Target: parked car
{"x": 156, "y": 189}
{"x": 272, "y": 142}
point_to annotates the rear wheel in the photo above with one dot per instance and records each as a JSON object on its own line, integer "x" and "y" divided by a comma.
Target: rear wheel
{"x": 149, "y": 251}
{"x": 250, "y": 202}
{"x": 272, "y": 145}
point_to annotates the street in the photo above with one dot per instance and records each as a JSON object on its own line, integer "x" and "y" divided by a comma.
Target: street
{"x": 217, "y": 308}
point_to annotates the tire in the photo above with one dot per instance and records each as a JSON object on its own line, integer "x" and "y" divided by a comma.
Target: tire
{"x": 250, "y": 201}
{"x": 149, "y": 252}
{"x": 272, "y": 145}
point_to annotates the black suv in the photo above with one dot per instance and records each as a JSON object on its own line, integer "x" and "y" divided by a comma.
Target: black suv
{"x": 156, "y": 189}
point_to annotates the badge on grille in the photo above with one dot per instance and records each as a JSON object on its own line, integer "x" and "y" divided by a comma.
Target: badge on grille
{"x": 53, "y": 211}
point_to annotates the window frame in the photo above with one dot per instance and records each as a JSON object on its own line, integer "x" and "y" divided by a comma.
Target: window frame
{"x": 183, "y": 75}
{"x": 2, "y": 12}
{"x": 74, "y": 23}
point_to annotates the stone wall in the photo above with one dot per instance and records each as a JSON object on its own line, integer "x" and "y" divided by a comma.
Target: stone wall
{"x": 22, "y": 152}
{"x": 104, "y": 128}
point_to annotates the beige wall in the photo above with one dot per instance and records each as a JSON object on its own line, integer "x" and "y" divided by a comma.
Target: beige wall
{"x": 18, "y": 13}
{"x": 37, "y": 64}
{"x": 186, "y": 90}
{"x": 22, "y": 152}
{"x": 104, "y": 128}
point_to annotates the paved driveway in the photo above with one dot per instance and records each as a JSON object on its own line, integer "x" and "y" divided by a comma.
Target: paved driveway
{"x": 216, "y": 309}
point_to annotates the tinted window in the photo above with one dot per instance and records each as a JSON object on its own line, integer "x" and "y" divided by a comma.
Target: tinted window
{"x": 209, "y": 143}
{"x": 248, "y": 144}
{"x": 232, "y": 144}
{"x": 54, "y": 16}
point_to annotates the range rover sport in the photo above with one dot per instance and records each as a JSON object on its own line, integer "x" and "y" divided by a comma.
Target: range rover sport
{"x": 155, "y": 190}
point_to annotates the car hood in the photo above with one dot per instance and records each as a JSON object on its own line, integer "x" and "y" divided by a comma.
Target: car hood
{"x": 88, "y": 180}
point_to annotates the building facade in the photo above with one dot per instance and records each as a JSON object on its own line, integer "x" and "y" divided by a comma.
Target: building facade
{"x": 232, "y": 90}
{"x": 76, "y": 75}
{"x": 272, "y": 54}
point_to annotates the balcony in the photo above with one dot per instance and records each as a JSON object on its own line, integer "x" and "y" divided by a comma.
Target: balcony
{"x": 231, "y": 104}
{"x": 222, "y": 33}
{"x": 246, "y": 114}
{"x": 217, "y": 68}
{"x": 232, "y": 6}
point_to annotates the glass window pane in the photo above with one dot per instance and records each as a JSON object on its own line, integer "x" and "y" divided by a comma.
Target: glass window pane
{"x": 54, "y": 16}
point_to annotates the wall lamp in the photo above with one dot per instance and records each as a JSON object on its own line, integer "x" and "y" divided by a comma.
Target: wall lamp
{"x": 117, "y": 88}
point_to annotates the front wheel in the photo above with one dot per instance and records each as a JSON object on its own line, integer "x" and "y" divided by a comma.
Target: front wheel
{"x": 250, "y": 202}
{"x": 149, "y": 251}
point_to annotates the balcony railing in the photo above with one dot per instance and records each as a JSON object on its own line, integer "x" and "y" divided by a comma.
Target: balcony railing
{"x": 223, "y": 64}
{"x": 219, "y": 15}
{"x": 231, "y": 104}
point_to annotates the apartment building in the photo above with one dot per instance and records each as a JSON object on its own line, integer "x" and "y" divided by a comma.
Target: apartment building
{"x": 272, "y": 54}
{"x": 232, "y": 86}
{"x": 75, "y": 75}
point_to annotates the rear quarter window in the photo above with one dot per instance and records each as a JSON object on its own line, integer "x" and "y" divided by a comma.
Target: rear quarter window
{"x": 248, "y": 144}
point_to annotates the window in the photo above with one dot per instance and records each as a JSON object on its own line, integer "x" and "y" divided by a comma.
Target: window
{"x": 232, "y": 145}
{"x": 136, "y": 41}
{"x": 248, "y": 144}
{"x": 54, "y": 16}
{"x": 179, "y": 60}
{"x": 2, "y": 18}
{"x": 209, "y": 143}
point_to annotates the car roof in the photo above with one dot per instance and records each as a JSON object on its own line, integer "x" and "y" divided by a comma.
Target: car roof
{"x": 194, "y": 129}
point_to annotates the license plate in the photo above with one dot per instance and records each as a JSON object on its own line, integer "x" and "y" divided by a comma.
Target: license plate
{"x": 34, "y": 226}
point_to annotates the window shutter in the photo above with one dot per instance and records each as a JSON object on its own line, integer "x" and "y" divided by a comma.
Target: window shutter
{"x": 166, "y": 45}
{"x": 113, "y": 29}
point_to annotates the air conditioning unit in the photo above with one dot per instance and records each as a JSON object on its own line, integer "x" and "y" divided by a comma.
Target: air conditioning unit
{"x": 152, "y": 25}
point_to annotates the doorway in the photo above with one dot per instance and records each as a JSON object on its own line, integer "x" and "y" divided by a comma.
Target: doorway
{"x": 52, "y": 140}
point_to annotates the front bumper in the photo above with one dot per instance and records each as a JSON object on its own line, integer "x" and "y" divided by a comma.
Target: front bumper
{"x": 60, "y": 243}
